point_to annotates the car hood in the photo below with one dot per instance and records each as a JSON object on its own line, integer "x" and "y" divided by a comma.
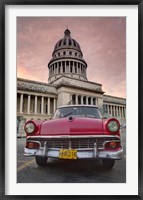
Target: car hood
{"x": 76, "y": 126}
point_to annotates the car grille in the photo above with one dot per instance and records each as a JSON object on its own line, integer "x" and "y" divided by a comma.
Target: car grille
{"x": 74, "y": 143}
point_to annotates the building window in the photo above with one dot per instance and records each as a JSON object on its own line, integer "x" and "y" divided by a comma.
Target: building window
{"x": 67, "y": 63}
{"x": 64, "y": 53}
{"x": 84, "y": 100}
{"x": 70, "y": 53}
{"x": 73, "y": 99}
{"x": 94, "y": 101}
{"x": 59, "y": 69}
{"x": 58, "y": 54}
{"x": 63, "y": 69}
{"x": 89, "y": 100}
{"x": 79, "y": 99}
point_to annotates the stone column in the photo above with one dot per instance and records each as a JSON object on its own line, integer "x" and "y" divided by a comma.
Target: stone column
{"x": 91, "y": 100}
{"x": 117, "y": 111}
{"x": 86, "y": 100}
{"x": 120, "y": 112}
{"x": 114, "y": 110}
{"x": 42, "y": 104}
{"x": 76, "y": 99}
{"x": 48, "y": 103}
{"x": 111, "y": 110}
{"x": 79, "y": 68}
{"x": 82, "y": 100}
{"x": 28, "y": 106}
{"x": 54, "y": 107}
{"x": 35, "y": 110}
{"x": 73, "y": 68}
{"x": 21, "y": 103}
{"x": 108, "y": 109}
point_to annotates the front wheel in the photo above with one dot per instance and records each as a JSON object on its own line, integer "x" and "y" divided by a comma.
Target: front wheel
{"x": 41, "y": 161}
{"x": 108, "y": 164}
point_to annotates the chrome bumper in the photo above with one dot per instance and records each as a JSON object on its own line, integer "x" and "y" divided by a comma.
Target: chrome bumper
{"x": 81, "y": 153}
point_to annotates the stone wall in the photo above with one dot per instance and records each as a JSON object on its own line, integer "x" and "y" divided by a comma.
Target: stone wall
{"x": 78, "y": 84}
{"x": 114, "y": 100}
{"x": 35, "y": 86}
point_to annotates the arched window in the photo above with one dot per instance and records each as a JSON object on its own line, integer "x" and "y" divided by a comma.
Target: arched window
{"x": 70, "y": 53}
{"x": 64, "y": 53}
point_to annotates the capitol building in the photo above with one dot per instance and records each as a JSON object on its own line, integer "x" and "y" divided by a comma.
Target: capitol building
{"x": 67, "y": 84}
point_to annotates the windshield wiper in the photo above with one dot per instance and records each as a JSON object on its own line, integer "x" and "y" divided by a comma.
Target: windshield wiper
{"x": 67, "y": 114}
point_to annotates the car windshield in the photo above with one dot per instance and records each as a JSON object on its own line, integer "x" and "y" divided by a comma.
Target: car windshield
{"x": 79, "y": 111}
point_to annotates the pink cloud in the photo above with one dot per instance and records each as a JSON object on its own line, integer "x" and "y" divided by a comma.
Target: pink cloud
{"x": 102, "y": 40}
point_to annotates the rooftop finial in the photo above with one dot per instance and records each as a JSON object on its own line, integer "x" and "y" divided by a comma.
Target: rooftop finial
{"x": 67, "y": 31}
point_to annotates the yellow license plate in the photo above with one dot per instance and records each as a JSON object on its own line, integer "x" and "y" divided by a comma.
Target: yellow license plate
{"x": 68, "y": 154}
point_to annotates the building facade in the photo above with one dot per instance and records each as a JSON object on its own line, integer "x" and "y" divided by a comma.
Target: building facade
{"x": 67, "y": 84}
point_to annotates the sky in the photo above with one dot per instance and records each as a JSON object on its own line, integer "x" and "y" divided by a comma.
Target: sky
{"x": 102, "y": 41}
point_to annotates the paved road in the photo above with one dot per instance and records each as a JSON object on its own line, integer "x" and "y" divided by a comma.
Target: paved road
{"x": 68, "y": 171}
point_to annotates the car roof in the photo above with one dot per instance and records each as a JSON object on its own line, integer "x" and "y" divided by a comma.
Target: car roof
{"x": 66, "y": 106}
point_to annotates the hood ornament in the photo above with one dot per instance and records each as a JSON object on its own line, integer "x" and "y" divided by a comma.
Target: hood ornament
{"x": 71, "y": 118}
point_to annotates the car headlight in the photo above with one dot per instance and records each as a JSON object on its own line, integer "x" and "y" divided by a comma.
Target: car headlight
{"x": 113, "y": 126}
{"x": 30, "y": 127}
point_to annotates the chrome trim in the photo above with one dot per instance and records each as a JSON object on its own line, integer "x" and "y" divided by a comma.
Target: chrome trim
{"x": 95, "y": 151}
{"x": 45, "y": 149}
{"x": 81, "y": 154}
{"x": 73, "y": 136}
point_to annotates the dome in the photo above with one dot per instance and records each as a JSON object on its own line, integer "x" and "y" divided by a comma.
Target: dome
{"x": 67, "y": 60}
{"x": 67, "y": 42}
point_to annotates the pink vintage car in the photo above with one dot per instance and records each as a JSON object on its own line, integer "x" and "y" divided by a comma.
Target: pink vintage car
{"x": 75, "y": 132}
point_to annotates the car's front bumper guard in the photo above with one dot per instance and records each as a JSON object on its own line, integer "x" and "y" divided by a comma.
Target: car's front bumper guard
{"x": 81, "y": 153}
